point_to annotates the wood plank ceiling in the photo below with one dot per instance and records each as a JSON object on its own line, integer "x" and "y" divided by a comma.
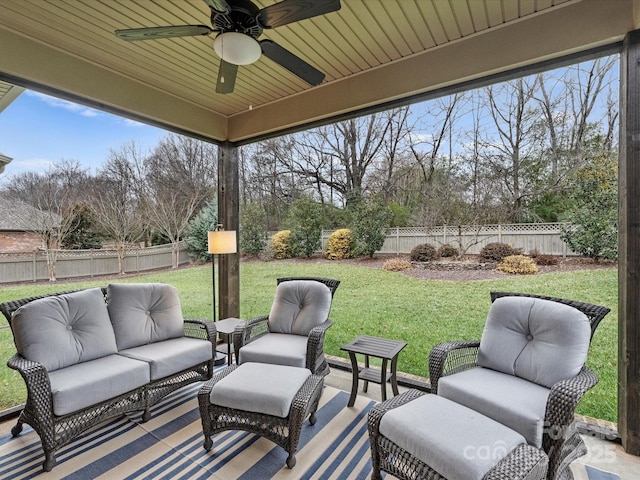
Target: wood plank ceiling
{"x": 372, "y": 52}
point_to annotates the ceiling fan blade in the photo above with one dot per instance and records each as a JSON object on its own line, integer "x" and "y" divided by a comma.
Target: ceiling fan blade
{"x": 226, "y": 77}
{"x": 289, "y": 11}
{"x": 154, "y": 33}
{"x": 219, "y": 6}
{"x": 291, "y": 62}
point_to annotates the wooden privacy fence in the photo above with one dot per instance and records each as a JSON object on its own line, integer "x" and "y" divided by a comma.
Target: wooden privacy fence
{"x": 543, "y": 237}
{"x": 86, "y": 263}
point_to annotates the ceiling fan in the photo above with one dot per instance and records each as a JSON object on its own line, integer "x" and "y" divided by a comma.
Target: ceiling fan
{"x": 238, "y": 24}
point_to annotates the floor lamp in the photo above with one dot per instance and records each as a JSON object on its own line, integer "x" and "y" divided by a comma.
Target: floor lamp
{"x": 220, "y": 241}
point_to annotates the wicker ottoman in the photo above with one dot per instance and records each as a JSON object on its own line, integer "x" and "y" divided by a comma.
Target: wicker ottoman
{"x": 269, "y": 400}
{"x": 424, "y": 436}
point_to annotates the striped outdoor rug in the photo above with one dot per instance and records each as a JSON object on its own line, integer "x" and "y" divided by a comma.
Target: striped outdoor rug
{"x": 169, "y": 446}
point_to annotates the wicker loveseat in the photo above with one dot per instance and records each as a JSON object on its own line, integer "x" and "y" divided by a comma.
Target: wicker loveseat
{"x": 94, "y": 354}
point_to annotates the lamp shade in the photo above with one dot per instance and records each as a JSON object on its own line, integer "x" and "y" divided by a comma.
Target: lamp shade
{"x": 237, "y": 48}
{"x": 222, "y": 241}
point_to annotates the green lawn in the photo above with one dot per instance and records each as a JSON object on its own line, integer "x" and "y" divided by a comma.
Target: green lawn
{"x": 380, "y": 303}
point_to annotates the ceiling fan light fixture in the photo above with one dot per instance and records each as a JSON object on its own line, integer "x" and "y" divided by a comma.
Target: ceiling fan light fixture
{"x": 237, "y": 48}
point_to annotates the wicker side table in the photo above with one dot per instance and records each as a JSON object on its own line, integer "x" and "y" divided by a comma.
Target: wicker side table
{"x": 250, "y": 399}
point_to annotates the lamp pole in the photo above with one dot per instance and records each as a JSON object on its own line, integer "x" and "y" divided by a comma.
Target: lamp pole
{"x": 219, "y": 241}
{"x": 213, "y": 282}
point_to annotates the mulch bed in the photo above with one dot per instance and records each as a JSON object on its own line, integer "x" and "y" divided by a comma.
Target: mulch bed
{"x": 566, "y": 264}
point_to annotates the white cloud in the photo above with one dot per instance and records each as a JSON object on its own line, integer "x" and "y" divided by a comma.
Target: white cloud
{"x": 421, "y": 137}
{"x": 64, "y": 104}
{"x": 16, "y": 167}
{"x": 131, "y": 123}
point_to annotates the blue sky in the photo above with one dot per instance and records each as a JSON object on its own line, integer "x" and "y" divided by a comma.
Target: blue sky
{"x": 37, "y": 131}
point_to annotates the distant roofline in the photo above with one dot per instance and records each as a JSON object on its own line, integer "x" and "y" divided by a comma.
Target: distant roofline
{"x": 4, "y": 160}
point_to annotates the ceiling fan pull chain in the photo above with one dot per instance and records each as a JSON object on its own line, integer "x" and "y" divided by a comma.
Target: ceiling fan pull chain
{"x": 222, "y": 56}
{"x": 251, "y": 84}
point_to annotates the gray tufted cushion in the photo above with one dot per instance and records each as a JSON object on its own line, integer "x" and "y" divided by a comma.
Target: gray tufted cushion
{"x": 299, "y": 306}
{"x": 143, "y": 313}
{"x": 539, "y": 340}
{"x": 62, "y": 330}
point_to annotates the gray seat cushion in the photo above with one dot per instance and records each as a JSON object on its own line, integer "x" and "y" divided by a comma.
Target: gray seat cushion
{"x": 276, "y": 348}
{"x": 512, "y": 401}
{"x": 85, "y": 384}
{"x": 63, "y": 330}
{"x": 457, "y": 442}
{"x": 538, "y": 340}
{"x": 299, "y": 306}
{"x": 260, "y": 388}
{"x": 171, "y": 356}
{"x": 143, "y": 313}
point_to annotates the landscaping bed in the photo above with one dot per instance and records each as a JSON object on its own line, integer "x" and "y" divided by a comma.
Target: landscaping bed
{"x": 468, "y": 268}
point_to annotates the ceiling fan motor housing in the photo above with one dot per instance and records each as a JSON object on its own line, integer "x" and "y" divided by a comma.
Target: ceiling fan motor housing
{"x": 242, "y": 18}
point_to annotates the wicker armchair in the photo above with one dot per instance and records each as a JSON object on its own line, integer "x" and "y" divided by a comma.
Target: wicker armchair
{"x": 560, "y": 439}
{"x": 266, "y": 341}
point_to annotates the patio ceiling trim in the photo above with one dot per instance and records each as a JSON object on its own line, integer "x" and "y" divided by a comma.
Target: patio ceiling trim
{"x": 8, "y": 93}
{"x": 554, "y": 63}
{"x": 569, "y": 29}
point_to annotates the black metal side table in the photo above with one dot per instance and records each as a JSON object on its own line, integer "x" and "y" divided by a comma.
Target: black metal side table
{"x": 382, "y": 348}
{"x": 225, "y": 329}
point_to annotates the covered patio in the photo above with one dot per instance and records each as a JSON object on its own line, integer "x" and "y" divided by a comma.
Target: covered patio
{"x": 375, "y": 54}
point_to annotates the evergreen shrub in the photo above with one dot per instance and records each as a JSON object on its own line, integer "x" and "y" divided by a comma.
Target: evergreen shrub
{"x": 281, "y": 244}
{"x": 448, "y": 251}
{"x": 497, "y": 251}
{"x": 196, "y": 235}
{"x": 340, "y": 245}
{"x": 423, "y": 253}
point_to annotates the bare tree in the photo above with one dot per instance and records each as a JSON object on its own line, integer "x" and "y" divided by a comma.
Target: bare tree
{"x": 510, "y": 150}
{"x": 265, "y": 180}
{"x": 570, "y": 100}
{"x": 340, "y": 157}
{"x": 115, "y": 200}
{"x": 438, "y": 179}
{"x": 395, "y": 151}
{"x": 177, "y": 180}
{"x": 53, "y": 195}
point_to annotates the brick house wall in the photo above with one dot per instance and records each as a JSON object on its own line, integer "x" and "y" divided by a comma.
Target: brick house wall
{"x": 19, "y": 242}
